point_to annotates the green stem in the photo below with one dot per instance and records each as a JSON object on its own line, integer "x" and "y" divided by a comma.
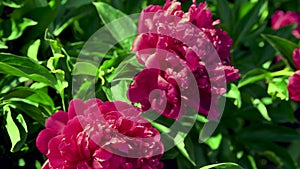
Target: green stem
{"x": 63, "y": 100}
{"x": 283, "y": 72}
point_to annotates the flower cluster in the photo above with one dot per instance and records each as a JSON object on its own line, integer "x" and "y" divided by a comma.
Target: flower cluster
{"x": 281, "y": 19}
{"x": 172, "y": 43}
{"x": 95, "y": 135}
{"x": 294, "y": 81}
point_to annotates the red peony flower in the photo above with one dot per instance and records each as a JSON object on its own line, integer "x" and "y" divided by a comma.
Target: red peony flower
{"x": 99, "y": 135}
{"x": 175, "y": 43}
{"x": 294, "y": 86}
{"x": 296, "y": 58}
{"x": 281, "y": 19}
{"x": 294, "y": 80}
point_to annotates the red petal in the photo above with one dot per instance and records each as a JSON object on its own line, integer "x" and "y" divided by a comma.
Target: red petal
{"x": 43, "y": 139}
{"x": 57, "y": 121}
{"x": 76, "y": 107}
{"x": 296, "y": 58}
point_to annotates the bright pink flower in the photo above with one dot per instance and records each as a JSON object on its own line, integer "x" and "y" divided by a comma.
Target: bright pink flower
{"x": 281, "y": 19}
{"x": 69, "y": 140}
{"x": 176, "y": 43}
{"x": 294, "y": 80}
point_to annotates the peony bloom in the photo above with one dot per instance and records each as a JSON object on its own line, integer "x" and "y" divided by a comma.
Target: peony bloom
{"x": 69, "y": 140}
{"x": 294, "y": 80}
{"x": 281, "y": 19}
{"x": 176, "y": 43}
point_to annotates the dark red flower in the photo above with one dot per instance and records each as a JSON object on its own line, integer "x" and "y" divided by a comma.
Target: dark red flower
{"x": 175, "y": 43}
{"x": 294, "y": 86}
{"x": 281, "y": 19}
{"x": 69, "y": 140}
{"x": 294, "y": 80}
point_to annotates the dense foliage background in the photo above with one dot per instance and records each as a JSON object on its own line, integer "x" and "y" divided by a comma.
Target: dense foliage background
{"x": 41, "y": 39}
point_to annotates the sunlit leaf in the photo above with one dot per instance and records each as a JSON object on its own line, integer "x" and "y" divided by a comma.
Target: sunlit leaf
{"x": 32, "y": 95}
{"x": 184, "y": 152}
{"x": 85, "y": 68}
{"x": 234, "y": 93}
{"x": 25, "y": 67}
{"x": 108, "y": 14}
{"x": 33, "y": 50}
{"x": 278, "y": 88}
{"x": 223, "y": 166}
{"x": 214, "y": 141}
{"x": 17, "y": 132}
{"x": 284, "y": 46}
{"x": 18, "y": 27}
{"x": 261, "y": 108}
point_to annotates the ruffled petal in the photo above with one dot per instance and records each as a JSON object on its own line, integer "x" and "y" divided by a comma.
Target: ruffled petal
{"x": 57, "y": 121}
{"x": 43, "y": 139}
{"x": 76, "y": 107}
{"x": 294, "y": 86}
{"x": 296, "y": 58}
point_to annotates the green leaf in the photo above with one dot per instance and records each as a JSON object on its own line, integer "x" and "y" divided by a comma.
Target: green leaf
{"x": 123, "y": 29}
{"x": 133, "y": 6}
{"x": 285, "y": 158}
{"x": 259, "y": 105}
{"x": 214, "y": 142}
{"x": 17, "y": 132}
{"x": 170, "y": 154}
{"x": 284, "y": 47}
{"x": 227, "y": 165}
{"x": 108, "y": 67}
{"x": 61, "y": 82}
{"x": 30, "y": 108}
{"x": 278, "y": 88}
{"x": 127, "y": 69}
{"x": 13, "y": 3}
{"x": 2, "y": 45}
{"x": 85, "y": 68}
{"x": 17, "y": 28}
{"x": 272, "y": 133}
{"x": 66, "y": 17}
{"x": 235, "y": 94}
{"x": 12, "y": 128}
{"x": 84, "y": 91}
{"x": 40, "y": 13}
{"x": 25, "y": 67}
{"x": 282, "y": 112}
{"x": 253, "y": 76}
{"x": 184, "y": 152}
{"x": 77, "y": 3}
{"x": 33, "y": 95}
{"x": 225, "y": 12}
{"x": 33, "y": 50}
{"x": 246, "y": 24}
{"x": 119, "y": 90}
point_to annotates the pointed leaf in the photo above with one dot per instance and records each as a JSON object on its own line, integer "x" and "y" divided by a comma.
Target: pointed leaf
{"x": 121, "y": 29}
{"x": 25, "y": 67}
{"x": 223, "y": 166}
{"x": 284, "y": 46}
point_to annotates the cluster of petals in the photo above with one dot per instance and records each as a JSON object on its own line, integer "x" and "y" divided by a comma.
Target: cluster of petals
{"x": 294, "y": 80}
{"x": 171, "y": 43}
{"x": 99, "y": 135}
{"x": 281, "y": 19}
